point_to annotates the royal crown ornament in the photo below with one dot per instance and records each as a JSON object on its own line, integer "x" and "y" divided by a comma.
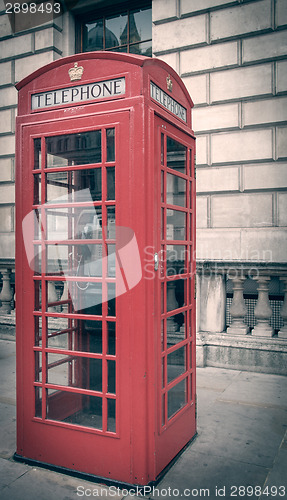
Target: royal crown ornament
{"x": 169, "y": 83}
{"x": 76, "y": 72}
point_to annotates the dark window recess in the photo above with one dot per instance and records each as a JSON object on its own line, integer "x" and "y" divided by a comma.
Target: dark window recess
{"x": 126, "y": 29}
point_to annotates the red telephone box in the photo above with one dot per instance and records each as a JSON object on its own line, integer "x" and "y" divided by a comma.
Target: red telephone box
{"x": 105, "y": 260}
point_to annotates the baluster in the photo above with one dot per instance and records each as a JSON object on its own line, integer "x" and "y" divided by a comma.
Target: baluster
{"x": 283, "y": 312}
{"x": 262, "y": 310}
{"x": 238, "y": 309}
{"x": 6, "y": 294}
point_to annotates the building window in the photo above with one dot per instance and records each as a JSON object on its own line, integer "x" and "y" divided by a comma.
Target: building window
{"x": 126, "y": 30}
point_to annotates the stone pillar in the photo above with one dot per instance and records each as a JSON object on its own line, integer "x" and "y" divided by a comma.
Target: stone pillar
{"x": 6, "y": 294}
{"x": 238, "y": 309}
{"x": 283, "y": 312}
{"x": 213, "y": 303}
{"x": 262, "y": 310}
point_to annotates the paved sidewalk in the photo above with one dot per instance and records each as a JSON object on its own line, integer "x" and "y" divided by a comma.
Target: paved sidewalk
{"x": 242, "y": 421}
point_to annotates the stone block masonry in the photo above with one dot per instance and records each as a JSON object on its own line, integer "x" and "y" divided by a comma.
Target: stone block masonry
{"x": 21, "y": 54}
{"x": 234, "y": 64}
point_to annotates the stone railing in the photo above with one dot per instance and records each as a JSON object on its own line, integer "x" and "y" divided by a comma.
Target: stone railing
{"x": 7, "y": 294}
{"x": 212, "y": 278}
{"x": 211, "y": 296}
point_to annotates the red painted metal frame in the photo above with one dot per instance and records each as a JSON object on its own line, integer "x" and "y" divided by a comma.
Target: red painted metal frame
{"x": 140, "y": 448}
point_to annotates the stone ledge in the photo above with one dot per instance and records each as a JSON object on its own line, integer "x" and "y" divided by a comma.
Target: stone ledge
{"x": 242, "y": 352}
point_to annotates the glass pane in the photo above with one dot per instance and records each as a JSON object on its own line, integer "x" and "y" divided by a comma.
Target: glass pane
{"x": 143, "y": 49}
{"x": 176, "y": 363}
{"x": 111, "y": 326}
{"x": 162, "y": 149}
{"x": 111, "y": 261}
{"x": 175, "y": 291}
{"x": 162, "y": 186}
{"x": 111, "y": 376}
{"x": 36, "y": 264}
{"x": 116, "y": 30}
{"x": 60, "y": 333}
{"x": 74, "y": 149}
{"x": 38, "y": 366}
{"x": 110, "y": 183}
{"x": 175, "y": 225}
{"x": 163, "y": 372}
{"x": 110, "y": 144}
{"x": 37, "y": 189}
{"x": 140, "y": 25}
{"x": 93, "y": 36}
{"x": 38, "y": 295}
{"x": 38, "y": 330}
{"x": 163, "y": 409}
{"x": 67, "y": 223}
{"x": 84, "y": 335}
{"x": 111, "y": 415}
{"x": 111, "y": 299}
{"x": 176, "y": 258}
{"x": 177, "y": 398}
{"x": 89, "y": 223}
{"x": 176, "y": 155}
{"x": 59, "y": 223}
{"x": 175, "y": 190}
{"x": 162, "y": 334}
{"x": 175, "y": 329}
{"x": 38, "y": 402}
{"x": 111, "y": 216}
{"x": 73, "y": 408}
{"x": 37, "y": 153}
{"x": 37, "y": 224}
{"x": 85, "y": 373}
{"x": 63, "y": 187}
{"x": 90, "y": 336}
{"x": 89, "y": 298}
{"x": 74, "y": 260}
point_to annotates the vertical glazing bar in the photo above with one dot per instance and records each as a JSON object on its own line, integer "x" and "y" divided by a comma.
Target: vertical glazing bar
{"x": 104, "y": 283}
{"x": 43, "y": 275}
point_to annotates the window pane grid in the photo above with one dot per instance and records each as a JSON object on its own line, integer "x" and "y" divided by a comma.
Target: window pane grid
{"x": 75, "y": 362}
{"x": 176, "y": 247}
{"x": 126, "y": 31}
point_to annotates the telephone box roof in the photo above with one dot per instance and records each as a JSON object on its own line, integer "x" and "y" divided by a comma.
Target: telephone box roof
{"x": 132, "y": 59}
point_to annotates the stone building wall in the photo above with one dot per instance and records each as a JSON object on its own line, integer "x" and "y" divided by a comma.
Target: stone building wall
{"x": 232, "y": 57}
{"x": 22, "y": 53}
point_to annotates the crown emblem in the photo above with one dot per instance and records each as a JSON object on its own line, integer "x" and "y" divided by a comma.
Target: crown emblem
{"x": 76, "y": 72}
{"x": 169, "y": 83}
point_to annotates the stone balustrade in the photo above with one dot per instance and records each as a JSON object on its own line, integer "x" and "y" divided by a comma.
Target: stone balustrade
{"x": 211, "y": 309}
{"x": 234, "y": 328}
{"x": 211, "y": 297}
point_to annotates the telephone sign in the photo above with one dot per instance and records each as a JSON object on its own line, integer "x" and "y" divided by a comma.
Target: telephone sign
{"x": 105, "y": 260}
{"x": 78, "y": 93}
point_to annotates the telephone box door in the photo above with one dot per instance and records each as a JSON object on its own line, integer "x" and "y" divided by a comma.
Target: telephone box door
{"x": 75, "y": 393}
{"x": 174, "y": 164}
